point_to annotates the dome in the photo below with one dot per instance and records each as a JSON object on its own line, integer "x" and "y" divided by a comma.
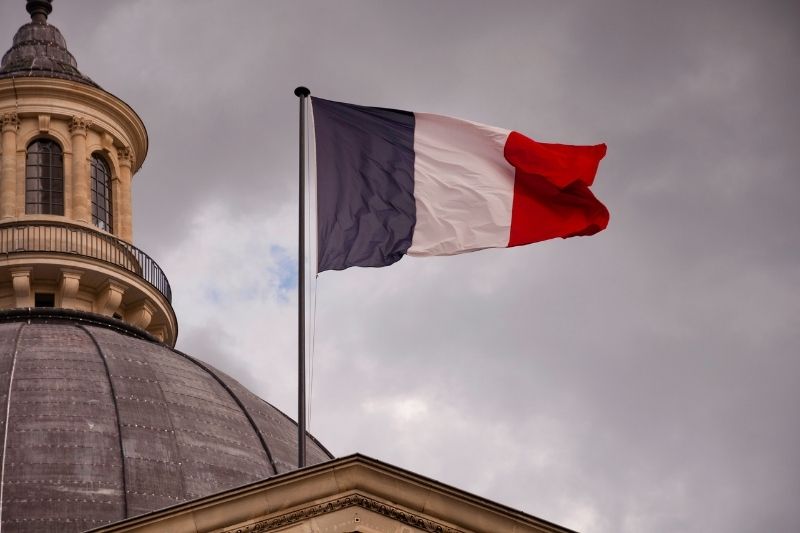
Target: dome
{"x": 40, "y": 50}
{"x": 102, "y": 423}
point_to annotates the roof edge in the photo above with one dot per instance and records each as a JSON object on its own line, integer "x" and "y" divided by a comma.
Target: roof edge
{"x": 311, "y": 491}
{"x": 56, "y": 315}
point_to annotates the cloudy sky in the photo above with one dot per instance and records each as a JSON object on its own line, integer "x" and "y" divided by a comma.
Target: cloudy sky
{"x": 646, "y": 379}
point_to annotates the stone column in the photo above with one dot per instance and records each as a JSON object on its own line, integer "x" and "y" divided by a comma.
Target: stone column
{"x": 81, "y": 192}
{"x": 123, "y": 212}
{"x": 8, "y": 178}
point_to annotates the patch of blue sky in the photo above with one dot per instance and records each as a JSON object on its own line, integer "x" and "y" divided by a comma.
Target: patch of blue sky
{"x": 278, "y": 280}
{"x": 212, "y": 295}
{"x": 284, "y": 268}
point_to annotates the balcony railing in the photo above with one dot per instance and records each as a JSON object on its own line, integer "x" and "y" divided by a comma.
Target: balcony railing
{"x": 65, "y": 238}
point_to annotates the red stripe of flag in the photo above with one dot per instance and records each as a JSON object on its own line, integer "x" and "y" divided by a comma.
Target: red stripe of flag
{"x": 551, "y": 190}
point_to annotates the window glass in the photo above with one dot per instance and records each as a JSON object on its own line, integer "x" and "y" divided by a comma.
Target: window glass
{"x": 44, "y": 185}
{"x": 101, "y": 194}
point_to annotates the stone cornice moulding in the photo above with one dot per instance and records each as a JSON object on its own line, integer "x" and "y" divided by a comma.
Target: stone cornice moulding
{"x": 354, "y": 499}
{"x": 21, "y": 94}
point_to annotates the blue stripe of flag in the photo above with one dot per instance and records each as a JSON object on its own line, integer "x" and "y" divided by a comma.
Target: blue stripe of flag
{"x": 365, "y": 184}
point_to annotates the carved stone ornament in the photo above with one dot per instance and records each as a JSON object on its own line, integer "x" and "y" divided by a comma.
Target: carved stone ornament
{"x": 354, "y": 500}
{"x": 107, "y": 141}
{"x": 44, "y": 123}
{"x": 68, "y": 287}
{"x": 79, "y": 125}
{"x": 109, "y": 297}
{"x": 21, "y": 281}
{"x": 10, "y": 121}
{"x": 141, "y": 315}
{"x": 125, "y": 156}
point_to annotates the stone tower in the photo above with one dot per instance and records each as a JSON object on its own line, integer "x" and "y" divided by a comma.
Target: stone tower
{"x": 100, "y": 418}
{"x": 69, "y": 153}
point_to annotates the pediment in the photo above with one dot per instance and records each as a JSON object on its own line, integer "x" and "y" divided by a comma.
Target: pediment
{"x": 347, "y": 495}
{"x": 350, "y": 513}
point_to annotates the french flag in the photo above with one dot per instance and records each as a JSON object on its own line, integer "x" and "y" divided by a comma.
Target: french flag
{"x": 392, "y": 182}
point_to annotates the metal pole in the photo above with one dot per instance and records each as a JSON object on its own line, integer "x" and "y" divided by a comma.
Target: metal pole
{"x": 302, "y": 93}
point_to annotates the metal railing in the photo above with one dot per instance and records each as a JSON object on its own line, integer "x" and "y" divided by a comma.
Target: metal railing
{"x": 65, "y": 238}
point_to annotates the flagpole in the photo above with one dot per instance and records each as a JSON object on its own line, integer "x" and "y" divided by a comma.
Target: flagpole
{"x": 302, "y": 93}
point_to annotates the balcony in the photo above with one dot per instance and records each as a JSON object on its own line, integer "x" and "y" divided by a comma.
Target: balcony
{"x": 36, "y": 237}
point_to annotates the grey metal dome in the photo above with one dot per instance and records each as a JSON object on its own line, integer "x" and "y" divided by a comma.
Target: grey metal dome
{"x": 39, "y": 50}
{"x": 100, "y": 423}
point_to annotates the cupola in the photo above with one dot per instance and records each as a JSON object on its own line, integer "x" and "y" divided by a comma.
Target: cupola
{"x": 39, "y": 49}
{"x": 68, "y": 155}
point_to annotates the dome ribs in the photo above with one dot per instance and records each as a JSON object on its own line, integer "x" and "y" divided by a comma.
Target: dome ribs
{"x": 277, "y": 430}
{"x": 151, "y": 455}
{"x": 217, "y": 445}
{"x": 8, "y": 358}
{"x": 256, "y": 428}
{"x": 104, "y": 423}
{"x": 116, "y": 411}
{"x": 315, "y": 451}
{"x": 62, "y": 450}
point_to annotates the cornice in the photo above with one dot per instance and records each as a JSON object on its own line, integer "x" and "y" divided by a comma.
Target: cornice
{"x": 352, "y": 500}
{"x": 27, "y": 90}
{"x": 55, "y": 315}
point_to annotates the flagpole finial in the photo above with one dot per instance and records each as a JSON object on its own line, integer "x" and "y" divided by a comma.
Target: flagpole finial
{"x": 301, "y": 92}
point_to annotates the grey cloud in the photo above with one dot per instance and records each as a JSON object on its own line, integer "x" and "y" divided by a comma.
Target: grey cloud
{"x": 644, "y": 379}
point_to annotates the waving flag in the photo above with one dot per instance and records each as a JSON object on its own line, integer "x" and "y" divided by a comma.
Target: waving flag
{"x": 392, "y": 182}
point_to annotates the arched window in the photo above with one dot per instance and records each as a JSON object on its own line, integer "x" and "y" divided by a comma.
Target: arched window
{"x": 101, "y": 194}
{"x": 44, "y": 178}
